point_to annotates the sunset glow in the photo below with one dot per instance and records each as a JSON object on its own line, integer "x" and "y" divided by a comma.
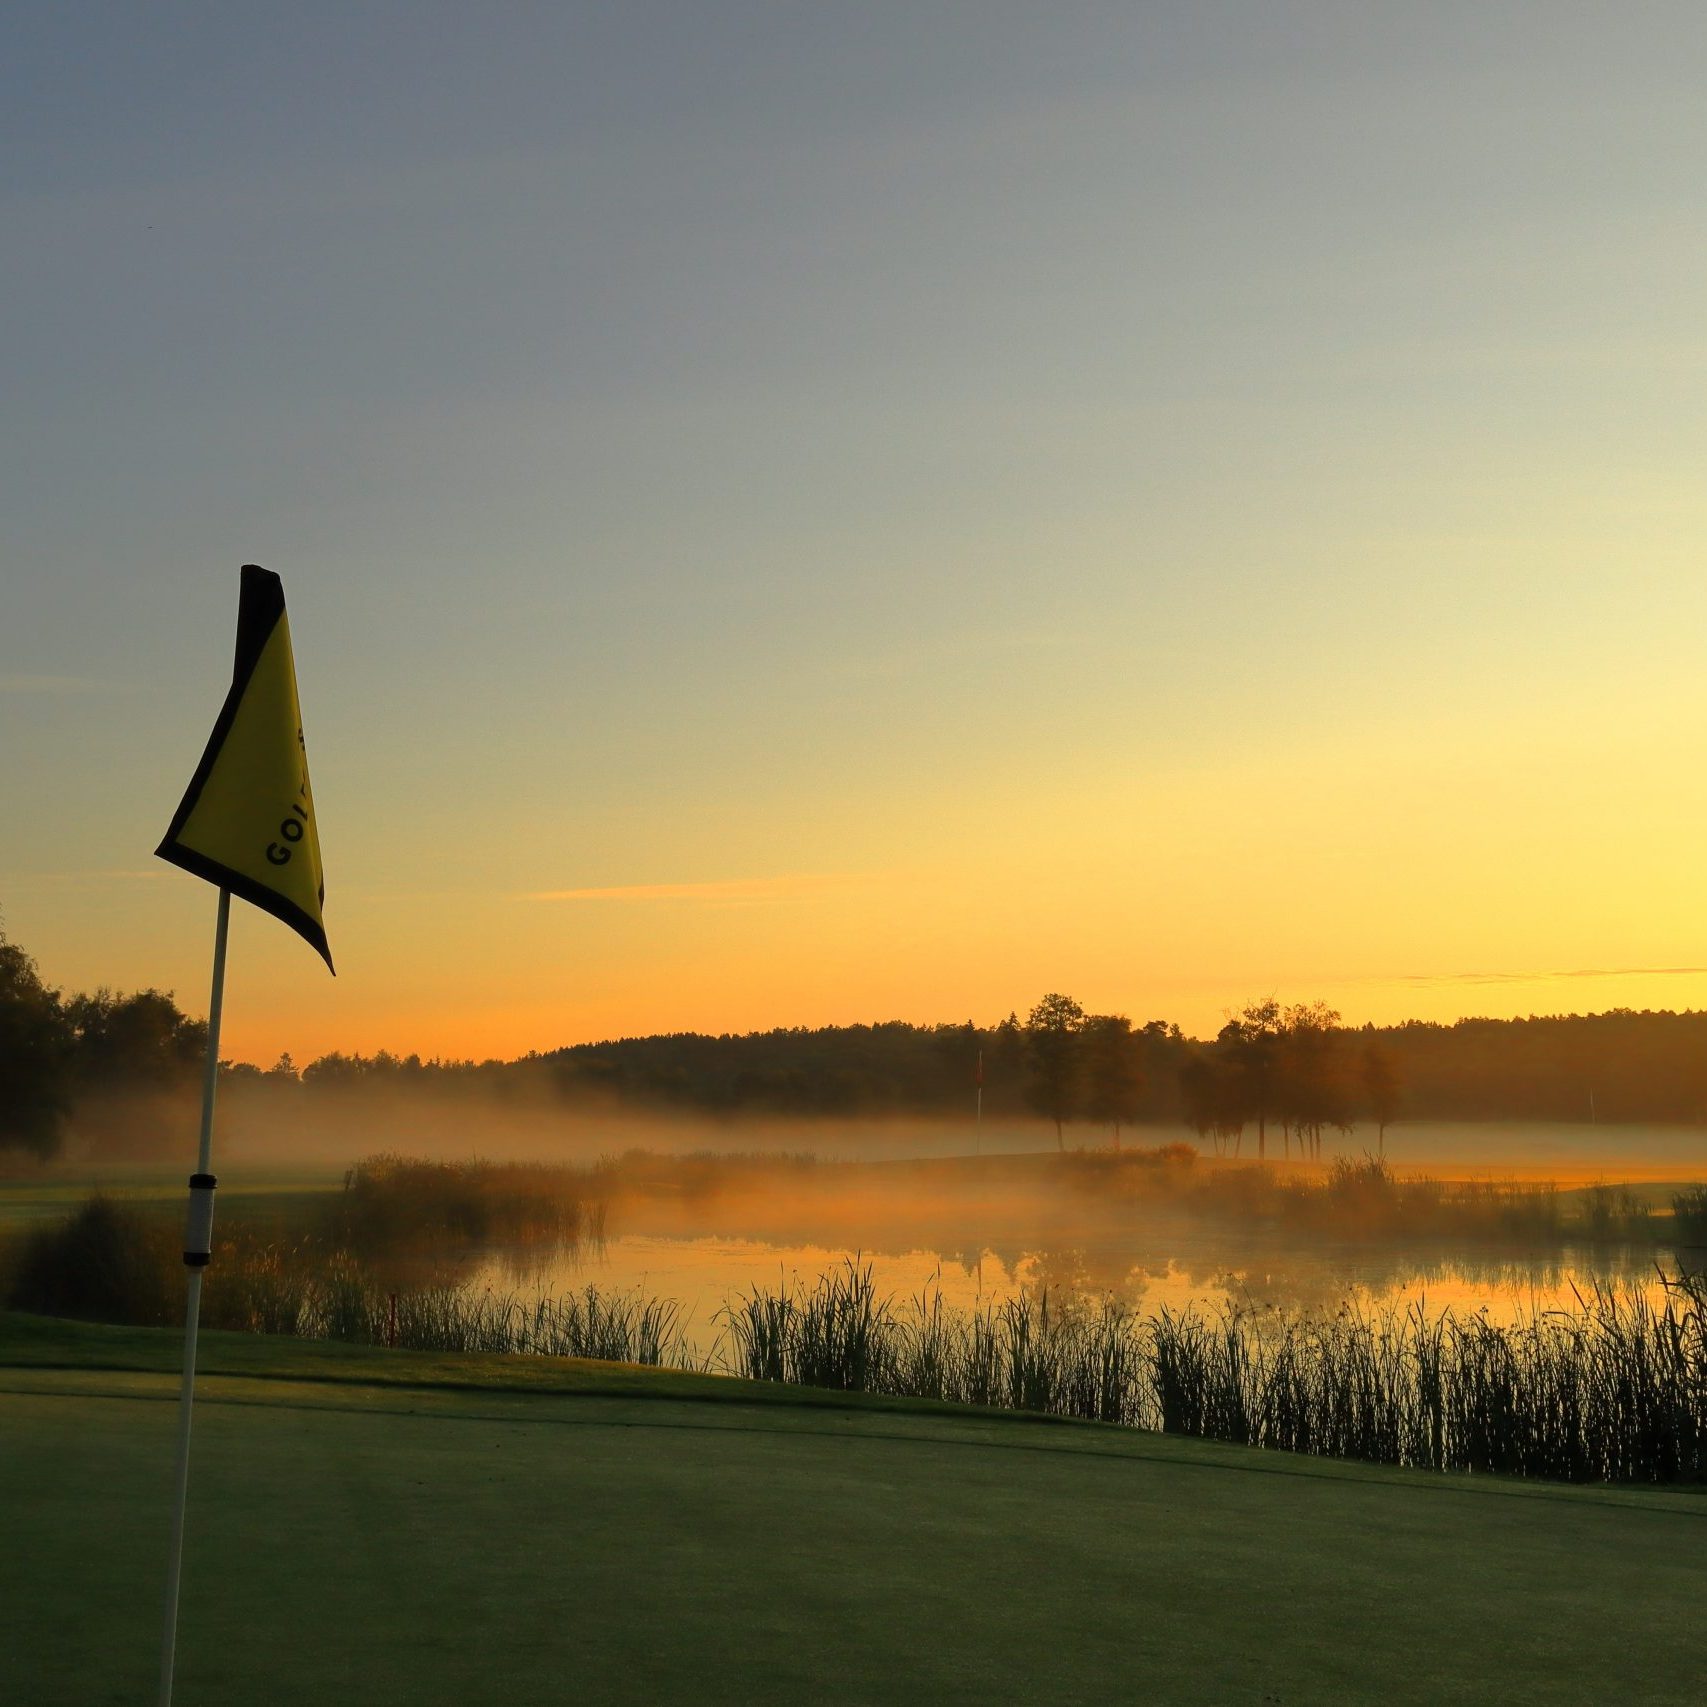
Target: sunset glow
{"x": 723, "y": 623}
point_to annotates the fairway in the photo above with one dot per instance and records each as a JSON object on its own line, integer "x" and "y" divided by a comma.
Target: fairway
{"x": 519, "y": 1532}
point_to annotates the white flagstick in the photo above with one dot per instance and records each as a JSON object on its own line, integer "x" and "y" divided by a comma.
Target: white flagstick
{"x": 198, "y": 1239}
{"x": 978, "y": 1123}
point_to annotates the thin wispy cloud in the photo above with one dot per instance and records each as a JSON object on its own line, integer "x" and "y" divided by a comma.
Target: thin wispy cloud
{"x": 1549, "y": 977}
{"x": 797, "y": 887}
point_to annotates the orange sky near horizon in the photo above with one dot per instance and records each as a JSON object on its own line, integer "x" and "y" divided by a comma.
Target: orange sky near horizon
{"x": 1427, "y": 880}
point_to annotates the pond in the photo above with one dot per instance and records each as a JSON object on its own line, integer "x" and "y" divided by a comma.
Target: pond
{"x": 975, "y": 1248}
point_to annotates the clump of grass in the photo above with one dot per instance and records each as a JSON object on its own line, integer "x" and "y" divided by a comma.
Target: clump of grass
{"x": 392, "y": 1201}
{"x": 1689, "y": 1217}
{"x": 1614, "y": 1214}
{"x": 259, "y": 1285}
{"x": 1356, "y": 1198}
{"x": 1615, "y": 1390}
{"x": 838, "y": 1334}
{"x": 106, "y": 1262}
{"x": 619, "y": 1327}
{"x": 1364, "y": 1198}
{"x": 843, "y": 1335}
{"x": 1029, "y": 1353}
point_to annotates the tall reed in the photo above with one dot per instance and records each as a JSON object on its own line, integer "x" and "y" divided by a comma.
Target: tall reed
{"x": 1615, "y": 1390}
{"x": 1689, "y": 1218}
{"x": 390, "y": 1201}
{"x": 619, "y": 1327}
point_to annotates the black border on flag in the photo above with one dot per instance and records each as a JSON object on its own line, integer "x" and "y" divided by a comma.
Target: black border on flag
{"x": 260, "y": 605}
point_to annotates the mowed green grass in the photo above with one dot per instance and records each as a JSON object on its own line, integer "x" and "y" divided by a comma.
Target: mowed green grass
{"x": 382, "y": 1527}
{"x": 54, "y": 1195}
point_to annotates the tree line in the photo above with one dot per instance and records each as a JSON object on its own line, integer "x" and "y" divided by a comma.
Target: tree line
{"x": 57, "y": 1051}
{"x": 1271, "y": 1082}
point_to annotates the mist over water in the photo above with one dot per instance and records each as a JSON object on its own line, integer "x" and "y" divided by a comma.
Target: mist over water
{"x": 269, "y": 1125}
{"x": 332, "y": 1129}
{"x": 1567, "y": 1154}
{"x": 976, "y": 1213}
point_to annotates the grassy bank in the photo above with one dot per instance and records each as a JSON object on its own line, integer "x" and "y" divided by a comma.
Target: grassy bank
{"x": 410, "y": 1533}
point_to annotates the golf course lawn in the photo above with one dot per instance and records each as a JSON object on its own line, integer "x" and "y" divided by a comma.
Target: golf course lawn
{"x": 372, "y": 1527}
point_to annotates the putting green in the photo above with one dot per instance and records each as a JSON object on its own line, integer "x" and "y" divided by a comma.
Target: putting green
{"x": 515, "y": 1532}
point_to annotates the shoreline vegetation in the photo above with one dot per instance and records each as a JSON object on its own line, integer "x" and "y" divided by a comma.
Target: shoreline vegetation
{"x": 1614, "y": 1389}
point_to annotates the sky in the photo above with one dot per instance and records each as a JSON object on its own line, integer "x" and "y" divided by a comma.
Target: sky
{"x": 803, "y": 515}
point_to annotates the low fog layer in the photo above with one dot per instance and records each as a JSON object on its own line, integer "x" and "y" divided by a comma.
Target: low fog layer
{"x": 330, "y": 1130}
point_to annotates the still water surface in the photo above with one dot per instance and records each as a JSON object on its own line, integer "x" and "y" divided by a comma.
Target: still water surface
{"x": 987, "y": 1244}
{"x": 702, "y": 1273}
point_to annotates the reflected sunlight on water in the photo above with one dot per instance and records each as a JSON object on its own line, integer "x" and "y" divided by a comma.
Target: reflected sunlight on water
{"x": 703, "y": 1273}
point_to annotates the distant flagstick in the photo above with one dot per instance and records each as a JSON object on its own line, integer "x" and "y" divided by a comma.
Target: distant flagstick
{"x": 978, "y": 1150}
{"x": 978, "y": 1121}
{"x": 247, "y": 824}
{"x": 198, "y": 1246}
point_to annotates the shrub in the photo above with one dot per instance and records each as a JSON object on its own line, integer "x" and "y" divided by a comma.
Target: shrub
{"x": 1689, "y": 1217}
{"x": 104, "y": 1263}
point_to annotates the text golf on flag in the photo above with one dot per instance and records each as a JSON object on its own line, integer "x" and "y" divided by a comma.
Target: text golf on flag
{"x": 246, "y": 822}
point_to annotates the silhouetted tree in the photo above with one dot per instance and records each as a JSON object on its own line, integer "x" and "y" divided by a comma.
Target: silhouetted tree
{"x": 1249, "y": 1043}
{"x": 126, "y": 1043}
{"x": 1113, "y": 1070}
{"x": 1052, "y": 1034}
{"x": 35, "y": 1047}
{"x": 1311, "y": 1082}
{"x": 1212, "y": 1098}
{"x": 1379, "y": 1081}
{"x": 335, "y": 1070}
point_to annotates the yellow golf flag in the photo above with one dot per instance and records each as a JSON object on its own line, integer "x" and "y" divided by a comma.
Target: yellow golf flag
{"x": 246, "y": 822}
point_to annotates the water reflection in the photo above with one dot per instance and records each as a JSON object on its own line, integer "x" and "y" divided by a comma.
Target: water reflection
{"x": 1156, "y": 1231}
{"x": 1187, "y": 1268}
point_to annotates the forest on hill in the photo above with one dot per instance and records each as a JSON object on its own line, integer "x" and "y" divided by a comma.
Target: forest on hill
{"x": 1272, "y": 1071}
